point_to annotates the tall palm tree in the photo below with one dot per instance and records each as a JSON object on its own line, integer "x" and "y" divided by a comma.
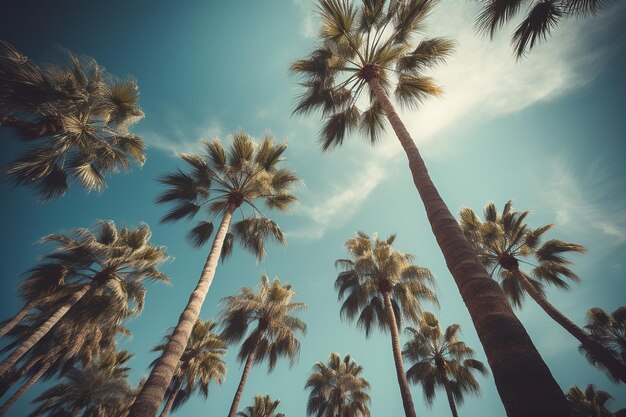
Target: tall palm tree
{"x": 591, "y": 402}
{"x": 77, "y": 116}
{"x": 338, "y": 389}
{"x": 106, "y": 260}
{"x": 503, "y": 241}
{"x": 541, "y": 16}
{"x": 92, "y": 389}
{"x": 221, "y": 182}
{"x": 440, "y": 359}
{"x": 200, "y": 364}
{"x": 263, "y": 407}
{"x": 372, "y": 47}
{"x": 264, "y": 320}
{"x": 609, "y": 330}
{"x": 381, "y": 286}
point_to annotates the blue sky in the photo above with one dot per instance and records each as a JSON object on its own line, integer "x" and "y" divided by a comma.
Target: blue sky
{"x": 547, "y": 132}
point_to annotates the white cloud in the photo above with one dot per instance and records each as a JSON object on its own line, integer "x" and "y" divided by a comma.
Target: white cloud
{"x": 339, "y": 205}
{"x": 483, "y": 81}
{"x": 177, "y": 140}
{"x": 589, "y": 204}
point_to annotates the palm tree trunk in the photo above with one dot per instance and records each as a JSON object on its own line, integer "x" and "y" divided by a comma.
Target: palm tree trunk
{"x": 407, "y": 400}
{"x": 11, "y": 379}
{"x": 153, "y": 391}
{"x": 170, "y": 402}
{"x": 45, "y": 328}
{"x": 9, "y": 403}
{"x": 524, "y": 382}
{"x": 450, "y": 398}
{"x": 242, "y": 384}
{"x": 598, "y": 352}
{"x": 18, "y": 317}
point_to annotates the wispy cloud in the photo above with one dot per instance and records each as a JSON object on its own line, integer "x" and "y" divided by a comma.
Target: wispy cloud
{"x": 592, "y": 203}
{"x": 483, "y": 81}
{"x": 175, "y": 139}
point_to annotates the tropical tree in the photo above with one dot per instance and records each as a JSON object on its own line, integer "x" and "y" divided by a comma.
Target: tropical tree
{"x": 541, "y": 17}
{"x": 503, "y": 241}
{"x": 338, "y": 389}
{"x": 93, "y": 390}
{"x": 372, "y": 47}
{"x": 441, "y": 360}
{"x": 200, "y": 364}
{"x": 75, "y": 114}
{"x": 80, "y": 339}
{"x": 609, "y": 330}
{"x": 92, "y": 262}
{"x": 264, "y": 320}
{"x": 591, "y": 402}
{"x": 220, "y": 182}
{"x": 263, "y": 407}
{"x": 381, "y": 286}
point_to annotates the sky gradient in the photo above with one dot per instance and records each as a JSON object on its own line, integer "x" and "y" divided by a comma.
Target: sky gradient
{"x": 548, "y": 132}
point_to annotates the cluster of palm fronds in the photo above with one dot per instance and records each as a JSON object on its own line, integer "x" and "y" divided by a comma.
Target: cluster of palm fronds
{"x": 79, "y": 296}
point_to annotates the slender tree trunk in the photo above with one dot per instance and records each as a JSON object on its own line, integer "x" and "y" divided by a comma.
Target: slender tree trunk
{"x": 524, "y": 382}
{"x": 599, "y": 352}
{"x": 18, "y": 317}
{"x": 446, "y": 385}
{"x": 11, "y": 379}
{"x": 9, "y": 403}
{"x": 242, "y": 384}
{"x": 29, "y": 129}
{"x": 407, "y": 400}
{"x": 45, "y": 328}
{"x": 153, "y": 391}
{"x": 170, "y": 402}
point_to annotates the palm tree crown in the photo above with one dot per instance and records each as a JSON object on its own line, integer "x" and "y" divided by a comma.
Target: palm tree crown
{"x": 542, "y": 16}
{"x": 375, "y": 269}
{"x": 271, "y": 309}
{"x": 357, "y": 43}
{"x": 609, "y": 330}
{"x": 78, "y": 116}
{"x": 263, "y": 407}
{"x": 590, "y": 402}
{"x": 440, "y": 359}
{"x": 503, "y": 241}
{"x": 200, "y": 364}
{"x": 228, "y": 179}
{"x": 338, "y": 389}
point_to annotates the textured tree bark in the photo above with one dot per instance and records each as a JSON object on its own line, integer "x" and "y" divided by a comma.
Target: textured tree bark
{"x": 45, "y": 328}
{"x": 9, "y": 403}
{"x": 524, "y": 382}
{"x": 602, "y": 355}
{"x": 407, "y": 400}
{"x": 242, "y": 384}
{"x": 153, "y": 391}
{"x": 18, "y": 317}
{"x": 170, "y": 402}
{"x": 32, "y": 130}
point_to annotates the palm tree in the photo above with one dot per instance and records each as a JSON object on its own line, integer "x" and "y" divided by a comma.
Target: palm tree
{"x": 106, "y": 260}
{"x": 200, "y": 364}
{"x": 93, "y": 389}
{"x": 371, "y": 47}
{"x": 338, "y": 389}
{"x": 81, "y": 338}
{"x": 590, "y": 403}
{"x": 609, "y": 330}
{"x": 263, "y": 407}
{"x": 383, "y": 287}
{"x": 265, "y": 316}
{"x": 221, "y": 181}
{"x": 504, "y": 241}
{"x": 75, "y": 113}
{"x": 440, "y": 359}
{"x": 542, "y": 16}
